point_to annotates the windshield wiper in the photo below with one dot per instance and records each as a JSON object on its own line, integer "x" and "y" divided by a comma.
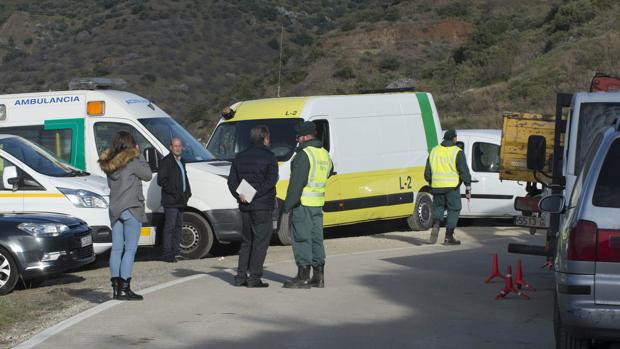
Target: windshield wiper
{"x": 76, "y": 173}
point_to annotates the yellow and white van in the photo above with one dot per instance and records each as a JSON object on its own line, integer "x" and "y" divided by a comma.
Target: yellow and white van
{"x": 379, "y": 144}
{"x": 77, "y": 125}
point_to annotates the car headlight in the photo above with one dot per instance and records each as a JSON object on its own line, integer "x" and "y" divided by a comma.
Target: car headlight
{"x": 84, "y": 198}
{"x": 43, "y": 229}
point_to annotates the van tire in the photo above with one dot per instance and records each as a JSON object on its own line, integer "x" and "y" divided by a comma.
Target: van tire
{"x": 422, "y": 217}
{"x": 284, "y": 230}
{"x": 8, "y": 272}
{"x": 196, "y": 236}
{"x": 563, "y": 338}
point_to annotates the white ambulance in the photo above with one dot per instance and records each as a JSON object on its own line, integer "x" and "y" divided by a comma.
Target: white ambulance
{"x": 378, "y": 142}
{"x": 77, "y": 125}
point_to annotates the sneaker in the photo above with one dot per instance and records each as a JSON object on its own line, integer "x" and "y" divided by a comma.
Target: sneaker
{"x": 179, "y": 258}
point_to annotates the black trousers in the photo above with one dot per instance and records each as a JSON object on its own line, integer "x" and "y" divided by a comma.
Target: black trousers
{"x": 256, "y": 234}
{"x": 173, "y": 221}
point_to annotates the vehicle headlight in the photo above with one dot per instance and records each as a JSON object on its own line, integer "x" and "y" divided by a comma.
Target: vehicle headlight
{"x": 42, "y": 230}
{"x": 84, "y": 198}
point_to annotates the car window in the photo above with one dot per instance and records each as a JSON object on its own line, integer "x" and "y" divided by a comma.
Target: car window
{"x": 57, "y": 142}
{"x": 106, "y": 131}
{"x": 607, "y": 190}
{"x": 589, "y": 157}
{"x": 485, "y": 157}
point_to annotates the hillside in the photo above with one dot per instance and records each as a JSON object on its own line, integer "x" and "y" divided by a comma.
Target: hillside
{"x": 193, "y": 57}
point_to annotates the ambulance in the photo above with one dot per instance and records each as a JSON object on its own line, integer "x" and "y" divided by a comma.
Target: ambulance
{"x": 77, "y": 125}
{"x": 379, "y": 143}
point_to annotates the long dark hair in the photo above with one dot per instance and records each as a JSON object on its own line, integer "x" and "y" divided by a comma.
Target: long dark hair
{"x": 123, "y": 140}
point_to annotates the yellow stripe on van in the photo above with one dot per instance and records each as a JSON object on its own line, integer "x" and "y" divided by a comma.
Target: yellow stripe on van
{"x": 270, "y": 108}
{"x": 30, "y": 195}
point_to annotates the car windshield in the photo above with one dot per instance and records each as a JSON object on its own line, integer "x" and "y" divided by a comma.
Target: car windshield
{"x": 166, "y": 128}
{"x": 37, "y": 159}
{"x": 232, "y": 137}
{"x": 593, "y": 117}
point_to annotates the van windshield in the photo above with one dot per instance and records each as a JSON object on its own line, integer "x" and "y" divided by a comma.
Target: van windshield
{"x": 593, "y": 117}
{"x": 232, "y": 137}
{"x": 37, "y": 159}
{"x": 166, "y": 128}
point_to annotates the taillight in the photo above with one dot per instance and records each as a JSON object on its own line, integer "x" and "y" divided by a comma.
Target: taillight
{"x": 582, "y": 241}
{"x": 608, "y": 246}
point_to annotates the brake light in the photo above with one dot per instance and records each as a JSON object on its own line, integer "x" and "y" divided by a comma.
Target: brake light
{"x": 582, "y": 241}
{"x": 608, "y": 246}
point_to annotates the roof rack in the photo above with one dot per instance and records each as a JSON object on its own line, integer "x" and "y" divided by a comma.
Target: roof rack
{"x": 388, "y": 90}
{"x": 96, "y": 84}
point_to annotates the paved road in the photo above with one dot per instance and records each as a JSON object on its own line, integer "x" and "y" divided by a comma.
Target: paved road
{"x": 416, "y": 296}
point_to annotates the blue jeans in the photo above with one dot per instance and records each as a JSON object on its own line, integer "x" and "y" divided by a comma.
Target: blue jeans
{"x": 125, "y": 236}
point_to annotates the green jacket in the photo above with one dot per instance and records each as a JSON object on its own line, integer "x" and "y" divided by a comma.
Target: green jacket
{"x": 300, "y": 166}
{"x": 461, "y": 167}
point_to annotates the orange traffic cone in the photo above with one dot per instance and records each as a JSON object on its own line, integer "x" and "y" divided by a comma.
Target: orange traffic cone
{"x": 509, "y": 287}
{"x": 519, "y": 281}
{"x": 495, "y": 270}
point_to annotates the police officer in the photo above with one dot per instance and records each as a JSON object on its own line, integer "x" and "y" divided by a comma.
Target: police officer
{"x": 445, "y": 169}
{"x": 305, "y": 198}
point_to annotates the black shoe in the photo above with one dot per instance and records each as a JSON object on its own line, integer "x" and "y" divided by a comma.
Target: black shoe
{"x": 125, "y": 292}
{"x": 434, "y": 233}
{"x": 450, "y": 240}
{"x": 115, "y": 287}
{"x": 179, "y": 258}
{"x": 318, "y": 277}
{"x": 170, "y": 260}
{"x": 302, "y": 280}
{"x": 240, "y": 280}
{"x": 256, "y": 284}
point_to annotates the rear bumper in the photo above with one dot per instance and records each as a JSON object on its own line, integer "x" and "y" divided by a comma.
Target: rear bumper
{"x": 580, "y": 314}
{"x": 226, "y": 224}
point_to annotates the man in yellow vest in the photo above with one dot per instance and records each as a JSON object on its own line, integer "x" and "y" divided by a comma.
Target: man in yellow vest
{"x": 305, "y": 197}
{"x": 446, "y": 169}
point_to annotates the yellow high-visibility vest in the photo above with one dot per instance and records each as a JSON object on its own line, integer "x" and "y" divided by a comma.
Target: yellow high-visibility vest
{"x": 320, "y": 166}
{"x": 443, "y": 167}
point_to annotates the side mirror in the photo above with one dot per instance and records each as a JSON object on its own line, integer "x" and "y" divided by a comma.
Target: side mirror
{"x": 536, "y": 151}
{"x": 552, "y": 204}
{"x": 150, "y": 155}
{"x": 10, "y": 178}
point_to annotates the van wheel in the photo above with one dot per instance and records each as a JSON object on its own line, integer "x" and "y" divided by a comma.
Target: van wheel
{"x": 284, "y": 231}
{"x": 196, "y": 236}
{"x": 422, "y": 217}
{"x": 8, "y": 272}
{"x": 563, "y": 339}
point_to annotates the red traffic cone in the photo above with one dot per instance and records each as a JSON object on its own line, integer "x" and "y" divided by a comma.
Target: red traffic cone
{"x": 509, "y": 287}
{"x": 495, "y": 271}
{"x": 522, "y": 284}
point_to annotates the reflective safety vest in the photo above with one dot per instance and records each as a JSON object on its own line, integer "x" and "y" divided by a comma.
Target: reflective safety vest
{"x": 443, "y": 166}
{"x": 320, "y": 166}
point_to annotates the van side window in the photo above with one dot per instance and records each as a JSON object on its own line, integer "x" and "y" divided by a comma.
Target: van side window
{"x": 322, "y": 130}
{"x": 56, "y": 142}
{"x": 607, "y": 190}
{"x": 485, "y": 157}
{"x": 105, "y": 132}
{"x": 574, "y": 198}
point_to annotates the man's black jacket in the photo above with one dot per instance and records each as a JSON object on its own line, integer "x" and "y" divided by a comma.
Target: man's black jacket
{"x": 169, "y": 178}
{"x": 259, "y": 167}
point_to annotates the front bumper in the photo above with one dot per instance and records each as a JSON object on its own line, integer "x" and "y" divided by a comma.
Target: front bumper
{"x": 226, "y": 224}
{"x": 102, "y": 238}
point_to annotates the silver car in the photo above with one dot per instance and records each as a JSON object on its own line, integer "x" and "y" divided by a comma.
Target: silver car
{"x": 587, "y": 262}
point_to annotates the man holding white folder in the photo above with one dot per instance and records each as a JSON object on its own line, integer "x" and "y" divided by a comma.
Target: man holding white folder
{"x": 252, "y": 181}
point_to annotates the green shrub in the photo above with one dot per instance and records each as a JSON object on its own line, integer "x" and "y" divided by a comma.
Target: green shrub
{"x": 389, "y": 63}
{"x": 345, "y": 73}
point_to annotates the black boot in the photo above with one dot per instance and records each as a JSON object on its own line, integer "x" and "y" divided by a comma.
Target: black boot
{"x": 318, "y": 277}
{"x": 435, "y": 231}
{"x": 450, "y": 240}
{"x": 125, "y": 292}
{"x": 301, "y": 280}
{"x": 115, "y": 286}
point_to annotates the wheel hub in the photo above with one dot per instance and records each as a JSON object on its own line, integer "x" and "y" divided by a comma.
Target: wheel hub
{"x": 190, "y": 237}
{"x": 5, "y": 270}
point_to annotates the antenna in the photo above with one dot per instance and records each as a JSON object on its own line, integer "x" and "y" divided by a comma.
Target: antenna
{"x": 280, "y": 61}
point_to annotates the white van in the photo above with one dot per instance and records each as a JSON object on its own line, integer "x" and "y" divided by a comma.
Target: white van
{"x": 378, "y": 142}
{"x": 76, "y": 126}
{"x": 34, "y": 181}
{"x": 491, "y": 197}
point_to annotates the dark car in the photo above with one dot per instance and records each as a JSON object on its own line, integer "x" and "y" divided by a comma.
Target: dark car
{"x": 36, "y": 245}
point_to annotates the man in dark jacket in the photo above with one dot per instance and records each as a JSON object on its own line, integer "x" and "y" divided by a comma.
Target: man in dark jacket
{"x": 446, "y": 169}
{"x": 175, "y": 191}
{"x": 259, "y": 167}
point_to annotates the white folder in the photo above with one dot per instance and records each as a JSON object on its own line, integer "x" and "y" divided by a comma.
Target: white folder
{"x": 247, "y": 190}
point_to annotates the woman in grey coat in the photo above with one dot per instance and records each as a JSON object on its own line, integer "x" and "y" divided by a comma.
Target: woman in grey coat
{"x": 125, "y": 169}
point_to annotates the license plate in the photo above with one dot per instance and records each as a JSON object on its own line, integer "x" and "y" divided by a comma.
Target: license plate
{"x": 86, "y": 241}
{"x": 531, "y": 222}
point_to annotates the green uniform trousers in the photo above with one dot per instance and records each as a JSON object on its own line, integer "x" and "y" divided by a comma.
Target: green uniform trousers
{"x": 447, "y": 200}
{"x": 307, "y": 231}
